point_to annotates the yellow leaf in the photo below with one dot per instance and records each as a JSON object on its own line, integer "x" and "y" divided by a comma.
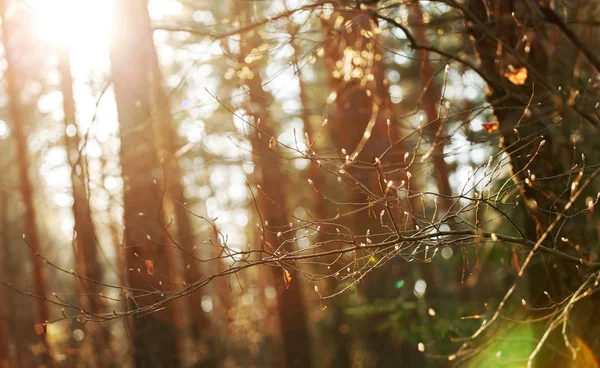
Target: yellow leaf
{"x": 287, "y": 278}
{"x": 272, "y": 143}
{"x": 516, "y": 76}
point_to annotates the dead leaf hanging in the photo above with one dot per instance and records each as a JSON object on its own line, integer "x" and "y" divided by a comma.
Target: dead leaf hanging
{"x": 491, "y": 127}
{"x": 515, "y": 261}
{"x": 149, "y": 267}
{"x": 272, "y": 143}
{"x": 40, "y": 329}
{"x": 516, "y": 76}
{"x": 287, "y": 278}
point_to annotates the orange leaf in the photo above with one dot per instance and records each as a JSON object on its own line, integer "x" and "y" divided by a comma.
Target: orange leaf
{"x": 40, "y": 329}
{"x": 516, "y": 76}
{"x": 491, "y": 127}
{"x": 272, "y": 143}
{"x": 287, "y": 278}
{"x": 515, "y": 261}
{"x": 149, "y": 267}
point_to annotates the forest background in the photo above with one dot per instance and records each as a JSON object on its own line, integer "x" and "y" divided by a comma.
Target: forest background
{"x": 299, "y": 183}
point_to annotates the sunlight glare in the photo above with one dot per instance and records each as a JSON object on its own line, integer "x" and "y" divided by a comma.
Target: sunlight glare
{"x": 4, "y": 132}
{"x": 78, "y": 25}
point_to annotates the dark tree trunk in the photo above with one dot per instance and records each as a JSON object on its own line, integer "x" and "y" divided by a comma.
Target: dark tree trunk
{"x": 155, "y": 334}
{"x": 5, "y": 340}
{"x": 17, "y": 337}
{"x": 168, "y": 145}
{"x": 293, "y": 318}
{"x": 434, "y": 127}
{"x": 535, "y": 136}
{"x": 364, "y": 125}
{"x": 338, "y": 351}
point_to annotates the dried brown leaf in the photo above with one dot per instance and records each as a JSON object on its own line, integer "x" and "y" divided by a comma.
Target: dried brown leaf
{"x": 149, "y": 267}
{"x": 40, "y": 329}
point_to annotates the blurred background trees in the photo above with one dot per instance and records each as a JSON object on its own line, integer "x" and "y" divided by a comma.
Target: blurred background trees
{"x": 299, "y": 183}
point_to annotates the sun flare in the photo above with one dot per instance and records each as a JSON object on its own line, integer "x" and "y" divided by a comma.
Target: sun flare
{"x": 78, "y": 25}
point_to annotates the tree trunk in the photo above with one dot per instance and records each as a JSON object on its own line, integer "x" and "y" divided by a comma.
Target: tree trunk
{"x": 434, "y": 128}
{"x": 168, "y": 144}
{"x": 18, "y": 126}
{"x": 14, "y": 320}
{"x": 85, "y": 243}
{"x": 186, "y": 238}
{"x": 364, "y": 127}
{"x": 293, "y": 319}
{"x": 155, "y": 334}
{"x": 338, "y": 351}
{"x": 537, "y": 143}
{"x": 5, "y": 341}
